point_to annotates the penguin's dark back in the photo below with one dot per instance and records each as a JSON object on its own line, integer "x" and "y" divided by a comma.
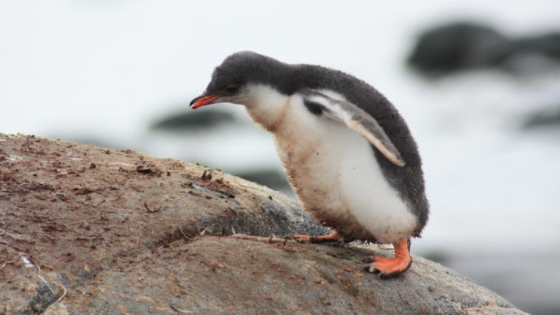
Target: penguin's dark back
{"x": 407, "y": 180}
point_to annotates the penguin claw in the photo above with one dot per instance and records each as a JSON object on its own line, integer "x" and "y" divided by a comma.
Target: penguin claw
{"x": 382, "y": 275}
{"x": 369, "y": 260}
{"x": 370, "y": 269}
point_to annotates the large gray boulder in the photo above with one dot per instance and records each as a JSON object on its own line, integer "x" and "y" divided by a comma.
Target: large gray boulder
{"x": 87, "y": 230}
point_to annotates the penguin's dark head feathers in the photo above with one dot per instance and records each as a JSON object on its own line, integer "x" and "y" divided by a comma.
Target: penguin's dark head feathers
{"x": 231, "y": 78}
{"x": 234, "y": 73}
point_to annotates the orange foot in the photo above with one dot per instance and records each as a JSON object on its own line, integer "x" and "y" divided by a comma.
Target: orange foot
{"x": 390, "y": 267}
{"x": 334, "y": 236}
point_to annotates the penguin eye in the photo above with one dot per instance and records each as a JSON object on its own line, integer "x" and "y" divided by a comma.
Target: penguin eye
{"x": 231, "y": 89}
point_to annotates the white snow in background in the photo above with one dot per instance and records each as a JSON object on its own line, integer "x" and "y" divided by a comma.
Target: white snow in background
{"x": 107, "y": 69}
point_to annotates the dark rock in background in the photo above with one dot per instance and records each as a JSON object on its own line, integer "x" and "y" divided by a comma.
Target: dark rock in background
{"x": 534, "y": 55}
{"x": 192, "y": 120}
{"x": 455, "y": 47}
{"x": 545, "y": 118}
{"x": 465, "y": 46}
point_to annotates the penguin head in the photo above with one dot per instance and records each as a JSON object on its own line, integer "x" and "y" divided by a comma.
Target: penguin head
{"x": 234, "y": 80}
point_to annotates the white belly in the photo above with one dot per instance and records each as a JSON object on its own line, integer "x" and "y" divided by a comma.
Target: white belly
{"x": 335, "y": 174}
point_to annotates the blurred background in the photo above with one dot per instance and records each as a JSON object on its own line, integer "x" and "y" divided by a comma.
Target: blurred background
{"x": 477, "y": 81}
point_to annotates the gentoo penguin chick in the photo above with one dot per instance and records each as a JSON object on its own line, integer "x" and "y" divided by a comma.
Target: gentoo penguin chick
{"x": 348, "y": 154}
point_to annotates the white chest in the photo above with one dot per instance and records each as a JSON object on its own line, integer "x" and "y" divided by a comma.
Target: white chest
{"x": 335, "y": 175}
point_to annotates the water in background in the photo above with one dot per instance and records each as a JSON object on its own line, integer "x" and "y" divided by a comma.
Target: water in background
{"x": 103, "y": 71}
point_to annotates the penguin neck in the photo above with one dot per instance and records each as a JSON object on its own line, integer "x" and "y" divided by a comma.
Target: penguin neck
{"x": 268, "y": 107}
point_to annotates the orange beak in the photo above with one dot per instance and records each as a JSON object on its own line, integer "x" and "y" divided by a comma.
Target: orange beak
{"x": 203, "y": 100}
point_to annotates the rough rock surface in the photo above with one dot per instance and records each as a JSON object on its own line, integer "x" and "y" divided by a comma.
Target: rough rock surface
{"x": 86, "y": 230}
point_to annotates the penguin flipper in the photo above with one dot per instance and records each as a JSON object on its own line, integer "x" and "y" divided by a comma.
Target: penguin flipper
{"x": 357, "y": 120}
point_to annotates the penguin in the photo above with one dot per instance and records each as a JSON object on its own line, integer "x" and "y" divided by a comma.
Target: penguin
{"x": 348, "y": 153}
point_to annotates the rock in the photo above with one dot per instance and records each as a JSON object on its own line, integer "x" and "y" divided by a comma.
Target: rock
{"x": 189, "y": 120}
{"x": 268, "y": 177}
{"x": 533, "y": 55}
{"x": 465, "y": 46}
{"x": 94, "y": 140}
{"x": 548, "y": 117}
{"x": 87, "y": 230}
{"x": 455, "y": 47}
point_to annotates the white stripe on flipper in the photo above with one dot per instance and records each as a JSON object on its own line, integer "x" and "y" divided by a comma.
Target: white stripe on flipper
{"x": 361, "y": 130}
{"x": 339, "y": 113}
